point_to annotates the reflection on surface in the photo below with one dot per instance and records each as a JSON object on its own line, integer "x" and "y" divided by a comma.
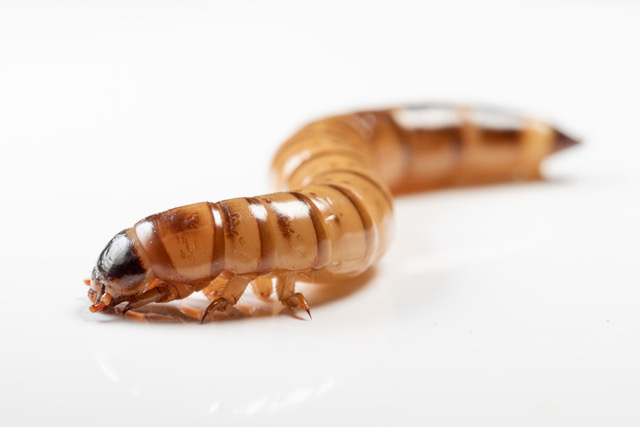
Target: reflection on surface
{"x": 278, "y": 363}
{"x": 277, "y": 402}
{"x": 231, "y": 369}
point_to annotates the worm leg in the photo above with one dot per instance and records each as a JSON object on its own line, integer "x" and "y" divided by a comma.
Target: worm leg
{"x": 158, "y": 294}
{"x": 285, "y": 288}
{"x": 230, "y": 295}
{"x": 214, "y": 289}
{"x": 262, "y": 286}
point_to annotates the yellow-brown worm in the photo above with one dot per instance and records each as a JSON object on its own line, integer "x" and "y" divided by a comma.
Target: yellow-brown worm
{"x": 332, "y": 217}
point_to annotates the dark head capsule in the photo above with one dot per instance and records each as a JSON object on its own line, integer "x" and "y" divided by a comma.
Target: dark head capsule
{"x": 119, "y": 261}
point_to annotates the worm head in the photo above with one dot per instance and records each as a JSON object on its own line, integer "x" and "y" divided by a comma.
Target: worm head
{"x": 118, "y": 274}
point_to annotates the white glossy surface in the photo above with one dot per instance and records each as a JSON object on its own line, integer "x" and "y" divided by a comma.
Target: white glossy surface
{"x": 506, "y": 305}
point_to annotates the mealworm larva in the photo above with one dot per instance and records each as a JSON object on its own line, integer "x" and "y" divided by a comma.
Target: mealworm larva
{"x": 333, "y": 215}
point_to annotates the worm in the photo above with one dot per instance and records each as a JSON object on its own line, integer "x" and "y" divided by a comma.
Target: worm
{"x": 332, "y": 216}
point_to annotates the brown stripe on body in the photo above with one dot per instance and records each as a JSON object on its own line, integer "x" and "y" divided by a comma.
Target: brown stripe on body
{"x": 501, "y": 151}
{"x": 229, "y": 220}
{"x": 451, "y": 136}
{"x": 435, "y": 141}
{"x": 291, "y": 160}
{"x": 337, "y": 127}
{"x": 304, "y": 175}
{"x": 331, "y": 129}
{"x": 284, "y": 222}
{"x": 536, "y": 143}
{"x": 217, "y": 260}
{"x": 242, "y": 247}
{"x": 186, "y": 235}
{"x": 440, "y": 153}
{"x": 366, "y": 177}
{"x": 322, "y": 236}
{"x": 293, "y": 231}
{"x": 333, "y": 151}
{"x": 367, "y": 222}
{"x": 161, "y": 264}
{"x": 492, "y": 147}
{"x": 502, "y": 137}
{"x": 471, "y": 138}
{"x": 267, "y": 240}
{"x": 407, "y": 149}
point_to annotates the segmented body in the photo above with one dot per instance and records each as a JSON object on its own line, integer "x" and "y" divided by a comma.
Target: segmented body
{"x": 333, "y": 217}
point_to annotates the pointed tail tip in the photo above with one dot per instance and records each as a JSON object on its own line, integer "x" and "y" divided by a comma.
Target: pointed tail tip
{"x": 563, "y": 141}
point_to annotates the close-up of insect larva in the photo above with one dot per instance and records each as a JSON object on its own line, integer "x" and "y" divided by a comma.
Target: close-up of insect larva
{"x": 332, "y": 217}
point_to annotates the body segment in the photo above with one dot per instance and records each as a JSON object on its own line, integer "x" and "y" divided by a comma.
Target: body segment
{"x": 333, "y": 215}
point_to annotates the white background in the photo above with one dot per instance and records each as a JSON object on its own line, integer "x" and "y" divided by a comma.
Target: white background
{"x": 504, "y": 305}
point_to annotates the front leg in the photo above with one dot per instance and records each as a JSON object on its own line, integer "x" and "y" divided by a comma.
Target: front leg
{"x": 157, "y": 294}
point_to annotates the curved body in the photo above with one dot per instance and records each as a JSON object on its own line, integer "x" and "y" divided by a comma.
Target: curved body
{"x": 333, "y": 216}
